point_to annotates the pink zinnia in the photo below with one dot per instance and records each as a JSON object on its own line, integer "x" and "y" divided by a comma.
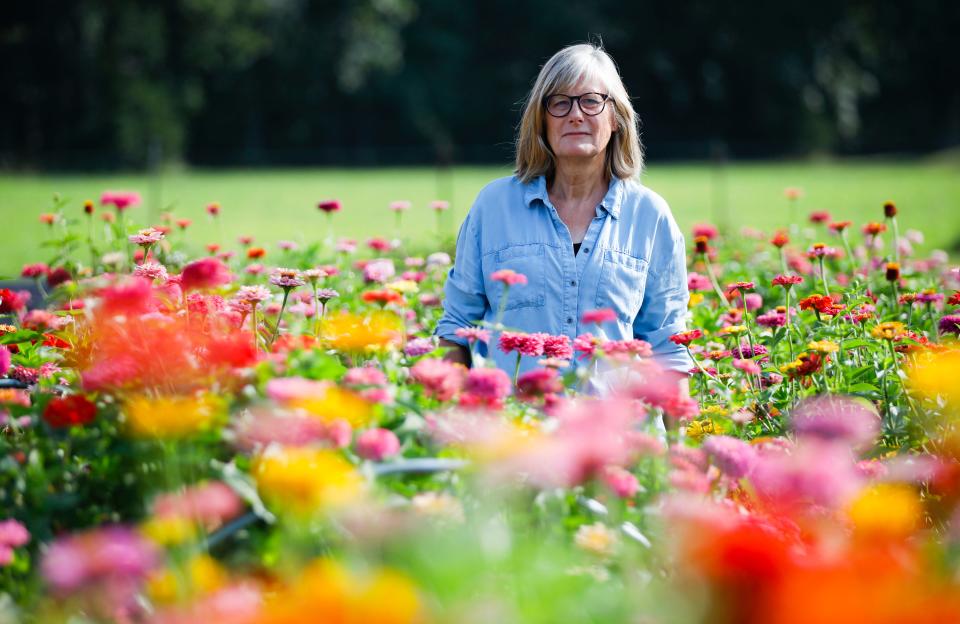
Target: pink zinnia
{"x": 377, "y": 444}
{"x": 121, "y": 200}
{"x": 287, "y": 278}
{"x": 538, "y": 382}
{"x": 586, "y": 345}
{"x": 439, "y": 378}
{"x": 748, "y": 366}
{"x": 509, "y": 277}
{"x": 525, "y": 344}
{"x": 419, "y": 346}
{"x": 146, "y": 237}
{"x": 39, "y": 269}
{"x": 603, "y": 315}
{"x": 378, "y": 244}
{"x": 705, "y": 229}
{"x": 5, "y": 359}
{"x": 835, "y": 418}
{"x": 819, "y": 216}
{"x": 732, "y": 456}
{"x": 439, "y": 205}
{"x": 116, "y": 554}
{"x": 204, "y": 273}
{"x": 209, "y": 504}
{"x": 557, "y": 347}
{"x": 253, "y": 294}
{"x": 400, "y": 205}
{"x": 488, "y": 384}
{"x": 787, "y": 280}
{"x": 379, "y": 270}
{"x": 621, "y": 349}
{"x": 622, "y": 482}
{"x": 696, "y": 282}
{"x": 151, "y": 271}
{"x": 473, "y": 334}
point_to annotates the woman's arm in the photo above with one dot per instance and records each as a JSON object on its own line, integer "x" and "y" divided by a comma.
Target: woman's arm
{"x": 664, "y": 309}
{"x": 465, "y": 297}
{"x": 458, "y": 354}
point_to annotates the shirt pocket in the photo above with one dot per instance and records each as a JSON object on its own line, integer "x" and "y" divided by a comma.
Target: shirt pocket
{"x": 528, "y": 259}
{"x": 623, "y": 278}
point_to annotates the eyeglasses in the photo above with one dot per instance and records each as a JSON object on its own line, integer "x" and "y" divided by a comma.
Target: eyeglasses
{"x": 560, "y": 105}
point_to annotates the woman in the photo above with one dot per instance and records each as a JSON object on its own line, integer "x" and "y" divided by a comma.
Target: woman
{"x": 575, "y": 221}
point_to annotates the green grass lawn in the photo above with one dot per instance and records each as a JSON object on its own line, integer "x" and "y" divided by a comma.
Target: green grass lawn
{"x": 276, "y": 204}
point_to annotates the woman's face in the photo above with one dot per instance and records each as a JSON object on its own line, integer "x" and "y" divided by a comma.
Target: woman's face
{"x": 578, "y": 135}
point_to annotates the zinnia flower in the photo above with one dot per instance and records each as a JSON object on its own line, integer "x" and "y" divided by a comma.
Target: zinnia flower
{"x": 732, "y": 456}
{"x": 377, "y": 444}
{"x": 473, "y": 334}
{"x": 204, "y": 273}
{"x": 286, "y": 279}
{"x": 329, "y": 206}
{"x": 509, "y": 277}
{"x": 69, "y": 411}
{"x": 950, "y": 324}
{"x": 557, "y": 347}
{"x": 603, "y": 315}
{"x": 439, "y": 378}
{"x": 685, "y": 338}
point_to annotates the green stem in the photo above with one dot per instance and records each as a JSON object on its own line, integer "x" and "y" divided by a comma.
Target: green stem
{"x": 823, "y": 277}
{"x": 516, "y": 369}
{"x": 713, "y": 280}
{"x": 283, "y": 306}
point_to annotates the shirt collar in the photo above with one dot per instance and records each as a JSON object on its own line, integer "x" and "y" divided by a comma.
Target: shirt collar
{"x": 537, "y": 189}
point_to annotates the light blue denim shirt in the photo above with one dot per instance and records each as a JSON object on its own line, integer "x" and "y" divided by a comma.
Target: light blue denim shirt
{"x": 632, "y": 260}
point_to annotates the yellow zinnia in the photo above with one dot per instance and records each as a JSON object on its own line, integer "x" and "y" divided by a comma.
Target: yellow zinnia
{"x": 336, "y": 403}
{"x": 890, "y": 330}
{"x": 404, "y": 286}
{"x": 305, "y": 480}
{"x": 934, "y": 375}
{"x": 202, "y": 575}
{"x": 732, "y": 330}
{"x": 326, "y": 589}
{"x": 886, "y": 510}
{"x": 171, "y": 417}
{"x": 823, "y": 346}
{"x": 353, "y": 333}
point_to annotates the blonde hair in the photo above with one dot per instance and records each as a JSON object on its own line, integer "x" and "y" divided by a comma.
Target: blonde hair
{"x": 624, "y": 153}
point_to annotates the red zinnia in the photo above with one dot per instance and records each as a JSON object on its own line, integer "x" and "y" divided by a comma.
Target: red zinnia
{"x": 329, "y": 206}
{"x": 889, "y": 209}
{"x": 839, "y": 226}
{"x": 685, "y": 338}
{"x": 68, "y": 411}
{"x": 780, "y": 239}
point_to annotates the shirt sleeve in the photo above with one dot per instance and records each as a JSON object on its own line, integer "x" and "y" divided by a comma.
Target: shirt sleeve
{"x": 465, "y": 298}
{"x": 664, "y": 309}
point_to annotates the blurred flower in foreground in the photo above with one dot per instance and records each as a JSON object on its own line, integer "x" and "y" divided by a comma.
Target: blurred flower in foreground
{"x": 12, "y": 535}
{"x": 886, "y": 510}
{"x": 199, "y": 576}
{"x": 352, "y": 333}
{"x": 112, "y": 558}
{"x": 326, "y": 591}
{"x": 305, "y": 480}
{"x": 935, "y": 375}
{"x": 171, "y": 417}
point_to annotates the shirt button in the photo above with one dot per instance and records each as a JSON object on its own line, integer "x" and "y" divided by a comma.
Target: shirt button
{"x": 586, "y": 249}
{"x": 573, "y": 282}
{"x": 569, "y": 319}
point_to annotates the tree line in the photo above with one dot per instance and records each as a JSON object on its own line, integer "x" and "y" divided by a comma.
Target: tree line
{"x": 132, "y": 83}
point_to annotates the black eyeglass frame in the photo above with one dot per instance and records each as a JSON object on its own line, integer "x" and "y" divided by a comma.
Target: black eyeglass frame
{"x": 576, "y": 98}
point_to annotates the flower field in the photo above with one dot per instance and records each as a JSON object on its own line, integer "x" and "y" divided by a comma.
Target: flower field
{"x": 272, "y": 435}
